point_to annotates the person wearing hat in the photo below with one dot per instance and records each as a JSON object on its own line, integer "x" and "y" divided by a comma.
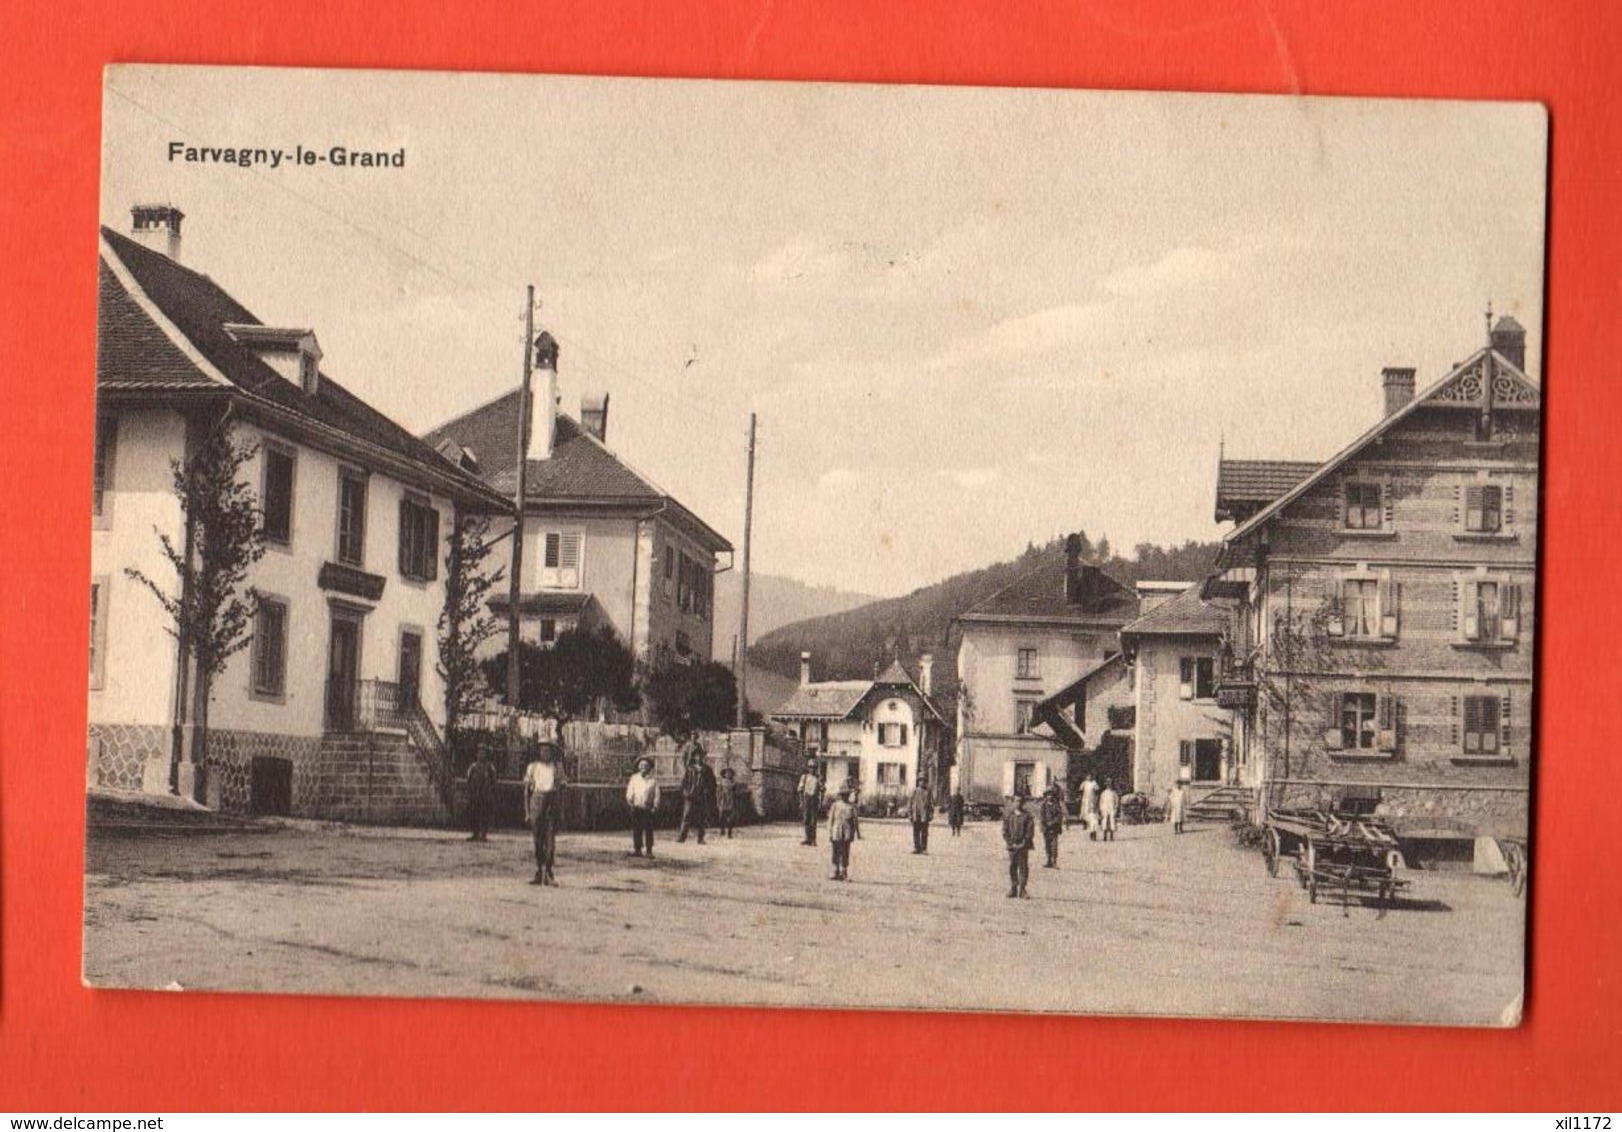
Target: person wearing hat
{"x": 697, "y": 793}
{"x": 843, "y": 828}
{"x": 956, "y": 808}
{"x": 642, "y": 796}
{"x": 481, "y": 795}
{"x": 726, "y": 802}
{"x": 1052, "y": 817}
{"x": 1176, "y": 803}
{"x": 809, "y": 792}
{"x": 1019, "y": 837}
{"x": 1089, "y": 805}
{"x": 543, "y": 808}
{"x": 920, "y": 812}
{"x": 1109, "y": 805}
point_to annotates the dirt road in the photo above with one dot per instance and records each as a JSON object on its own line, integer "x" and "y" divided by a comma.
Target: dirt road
{"x": 1152, "y": 923}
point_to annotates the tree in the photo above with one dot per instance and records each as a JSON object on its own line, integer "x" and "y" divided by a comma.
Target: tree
{"x": 211, "y": 615}
{"x": 465, "y": 621}
{"x": 575, "y": 677}
{"x": 684, "y": 698}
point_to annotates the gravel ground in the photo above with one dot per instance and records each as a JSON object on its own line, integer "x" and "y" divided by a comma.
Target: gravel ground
{"x": 1152, "y": 924}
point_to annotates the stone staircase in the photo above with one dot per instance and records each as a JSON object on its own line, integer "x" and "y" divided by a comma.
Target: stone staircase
{"x": 1224, "y": 803}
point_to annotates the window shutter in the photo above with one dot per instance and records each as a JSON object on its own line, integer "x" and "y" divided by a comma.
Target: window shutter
{"x": 1388, "y": 505}
{"x": 1458, "y": 513}
{"x": 1503, "y": 724}
{"x": 1509, "y": 623}
{"x": 903, "y": 728}
{"x": 1472, "y": 725}
{"x": 432, "y": 549}
{"x": 1333, "y": 739}
{"x": 1473, "y": 506}
{"x": 1509, "y": 506}
{"x": 404, "y": 559}
{"x": 1185, "y": 752}
{"x": 1453, "y": 714}
{"x": 1008, "y": 779}
{"x": 1390, "y": 602}
{"x": 1185, "y": 674}
{"x": 1335, "y": 624}
{"x": 1387, "y": 716}
{"x": 1471, "y": 615}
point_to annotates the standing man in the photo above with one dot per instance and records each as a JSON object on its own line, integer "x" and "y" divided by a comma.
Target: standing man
{"x": 697, "y": 793}
{"x": 1052, "y": 824}
{"x": 1089, "y": 805}
{"x": 1109, "y": 805}
{"x": 543, "y": 806}
{"x": 726, "y": 802}
{"x": 1019, "y": 836}
{"x": 920, "y": 811}
{"x": 955, "y": 809}
{"x": 1174, "y": 806}
{"x": 642, "y": 796}
{"x": 810, "y": 794}
{"x": 844, "y": 827}
{"x": 481, "y": 795}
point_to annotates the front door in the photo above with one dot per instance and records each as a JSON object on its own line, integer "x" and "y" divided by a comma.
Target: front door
{"x": 1207, "y": 760}
{"x": 343, "y": 671}
{"x": 410, "y": 668}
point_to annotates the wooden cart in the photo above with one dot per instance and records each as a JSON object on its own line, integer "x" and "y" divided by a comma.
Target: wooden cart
{"x": 1335, "y": 852}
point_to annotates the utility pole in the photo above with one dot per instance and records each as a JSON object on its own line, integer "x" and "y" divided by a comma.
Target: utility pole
{"x": 515, "y": 584}
{"x": 743, "y": 620}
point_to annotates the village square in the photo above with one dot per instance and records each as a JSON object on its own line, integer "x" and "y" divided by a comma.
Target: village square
{"x": 481, "y": 707}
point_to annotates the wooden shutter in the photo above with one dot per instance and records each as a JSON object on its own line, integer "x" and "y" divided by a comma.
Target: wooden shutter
{"x": 1453, "y": 714}
{"x": 1390, "y": 607}
{"x": 1388, "y": 505}
{"x": 1458, "y": 505}
{"x": 1474, "y": 506}
{"x": 404, "y": 560}
{"x": 1509, "y": 507}
{"x": 1335, "y": 597}
{"x": 1008, "y": 779}
{"x": 1185, "y": 674}
{"x": 1509, "y": 610}
{"x": 1503, "y": 723}
{"x": 432, "y": 549}
{"x": 1386, "y": 715}
{"x": 903, "y": 728}
{"x": 1333, "y": 739}
{"x": 1470, "y": 616}
{"x": 569, "y": 550}
{"x": 1472, "y": 725}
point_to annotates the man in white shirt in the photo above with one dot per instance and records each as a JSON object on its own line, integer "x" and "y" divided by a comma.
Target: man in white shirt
{"x": 543, "y": 796}
{"x": 642, "y": 795}
{"x": 810, "y": 794}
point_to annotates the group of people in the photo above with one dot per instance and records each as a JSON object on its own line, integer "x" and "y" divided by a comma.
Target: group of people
{"x": 704, "y": 797}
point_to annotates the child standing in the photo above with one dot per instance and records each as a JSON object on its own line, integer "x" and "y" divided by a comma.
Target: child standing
{"x": 1174, "y": 807}
{"x": 726, "y": 802}
{"x": 843, "y": 828}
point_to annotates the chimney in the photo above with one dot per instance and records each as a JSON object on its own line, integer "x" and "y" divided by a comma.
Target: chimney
{"x": 1509, "y": 339}
{"x": 543, "y": 398}
{"x": 594, "y": 415}
{"x": 1398, "y": 382}
{"x": 926, "y": 672}
{"x": 805, "y": 669}
{"x": 158, "y": 227}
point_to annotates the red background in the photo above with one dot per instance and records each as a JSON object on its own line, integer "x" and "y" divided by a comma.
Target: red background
{"x": 64, "y": 1048}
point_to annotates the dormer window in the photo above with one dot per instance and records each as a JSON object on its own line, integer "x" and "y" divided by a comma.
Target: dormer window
{"x": 309, "y": 372}
{"x": 293, "y": 353}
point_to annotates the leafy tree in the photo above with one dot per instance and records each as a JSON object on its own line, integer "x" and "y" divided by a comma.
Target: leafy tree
{"x": 465, "y": 622}
{"x": 211, "y": 615}
{"x": 684, "y": 698}
{"x": 575, "y": 677}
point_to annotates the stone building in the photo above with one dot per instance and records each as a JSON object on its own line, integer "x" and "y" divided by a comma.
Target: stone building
{"x": 335, "y": 706}
{"x": 1382, "y": 654}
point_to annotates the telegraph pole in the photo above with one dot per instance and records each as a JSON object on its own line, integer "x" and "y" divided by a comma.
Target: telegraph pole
{"x": 743, "y": 621}
{"x": 515, "y": 585}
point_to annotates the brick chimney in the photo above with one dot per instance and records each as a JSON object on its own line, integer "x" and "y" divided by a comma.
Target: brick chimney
{"x": 594, "y": 415}
{"x": 926, "y": 672}
{"x": 158, "y": 227}
{"x": 543, "y": 398}
{"x": 1509, "y": 339}
{"x": 1398, "y": 382}
{"x": 805, "y": 669}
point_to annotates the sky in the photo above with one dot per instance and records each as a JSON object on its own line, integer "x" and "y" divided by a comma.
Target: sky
{"x": 967, "y": 318}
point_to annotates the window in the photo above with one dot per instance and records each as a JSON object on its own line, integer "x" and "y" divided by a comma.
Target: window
{"x": 1360, "y": 606}
{"x": 1196, "y": 677}
{"x": 695, "y": 586}
{"x": 1357, "y": 722}
{"x": 560, "y": 559}
{"x": 1024, "y": 714}
{"x": 277, "y": 516}
{"x": 1491, "y": 612}
{"x": 1024, "y": 779}
{"x": 351, "y": 518}
{"x": 1363, "y": 510}
{"x": 419, "y": 539}
{"x": 892, "y": 774}
{"x": 98, "y": 632}
{"x": 269, "y": 654}
{"x": 1363, "y": 607}
{"x": 892, "y": 734}
{"x": 1481, "y": 724}
{"x": 549, "y": 630}
{"x": 1027, "y": 664}
{"x": 670, "y": 572}
{"x": 410, "y": 667}
{"x": 1484, "y": 509}
{"x": 106, "y": 445}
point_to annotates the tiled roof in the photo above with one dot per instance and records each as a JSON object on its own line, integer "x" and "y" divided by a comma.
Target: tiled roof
{"x": 1256, "y": 483}
{"x": 832, "y": 699}
{"x": 1186, "y": 615}
{"x": 1040, "y": 596}
{"x": 200, "y": 310}
{"x": 581, "y": 469}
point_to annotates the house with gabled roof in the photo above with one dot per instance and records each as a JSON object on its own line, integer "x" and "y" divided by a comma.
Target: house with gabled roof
{"x": 598, "y": 534}
{"x": 1017, "y": 648}
{"x": 1382, "y": 651}
{"x": 339, "y": 678}
{"x": 881, "y": 734}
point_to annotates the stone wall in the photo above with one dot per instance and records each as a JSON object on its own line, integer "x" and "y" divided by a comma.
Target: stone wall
{"x": 230, "y": 761}
{"x": 120, "y": 754}
{"x": 373, "y": 777}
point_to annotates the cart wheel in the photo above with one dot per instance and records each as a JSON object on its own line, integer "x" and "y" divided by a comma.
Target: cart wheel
{"x": 1270, "y": 852}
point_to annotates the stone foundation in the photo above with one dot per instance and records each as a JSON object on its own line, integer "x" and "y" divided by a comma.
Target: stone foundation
{"x": 121, "y": 752}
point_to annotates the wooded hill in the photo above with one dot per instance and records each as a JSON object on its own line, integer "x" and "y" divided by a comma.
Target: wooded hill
{"x": 854, "y": 643}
